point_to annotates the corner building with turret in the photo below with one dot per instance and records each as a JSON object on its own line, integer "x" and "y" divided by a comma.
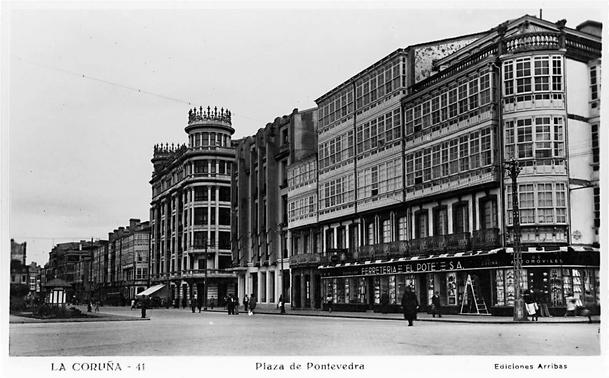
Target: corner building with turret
{"x": 410, "y": 182}
{"x": 190, "y": 214}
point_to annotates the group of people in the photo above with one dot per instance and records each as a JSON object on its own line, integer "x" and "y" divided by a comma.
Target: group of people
{"x": 232, "y": 304}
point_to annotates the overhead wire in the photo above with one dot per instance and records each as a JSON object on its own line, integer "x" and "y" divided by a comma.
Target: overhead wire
{"x": 123, "y": 86}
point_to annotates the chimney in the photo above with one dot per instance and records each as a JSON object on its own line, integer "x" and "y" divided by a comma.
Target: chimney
{"x": 133, "y": 222}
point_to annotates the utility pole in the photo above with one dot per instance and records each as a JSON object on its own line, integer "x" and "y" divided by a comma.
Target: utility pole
{"x": 513, "y": 170}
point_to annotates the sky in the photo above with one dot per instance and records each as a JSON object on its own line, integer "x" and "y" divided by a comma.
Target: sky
{"x": 89, "y": 89}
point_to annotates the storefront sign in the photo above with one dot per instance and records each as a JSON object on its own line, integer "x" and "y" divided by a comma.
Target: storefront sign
{"x": 411, "y": 267}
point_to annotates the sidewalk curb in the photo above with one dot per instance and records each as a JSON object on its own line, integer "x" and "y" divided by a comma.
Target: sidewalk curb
{"x": 445, "y": 320}
{"x": 107, "y": 318}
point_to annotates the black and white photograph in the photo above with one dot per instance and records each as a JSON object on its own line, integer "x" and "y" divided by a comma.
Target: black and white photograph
{"x": 303, "y": 188}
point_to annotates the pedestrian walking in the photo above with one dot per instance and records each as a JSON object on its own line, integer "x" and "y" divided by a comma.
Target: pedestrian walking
{"x": 435, "y": 305}
{"x": 531, "y": 305}
{"x": 230, "y": 305}
{"x": 235, "y": 305}
{"x": 144, "y": 305}
{"x": 281, "y": 304}
{"x": 330, "y": 302}
{"x": 252, "y": 304}
{"x": 96, "y": 306}
{"x": 193, "y": 304}
{"x": 199, "y": 302}
{"x": 245, "y": 303}
{"x": 410, "y": 304}
{"x": 384, "y": 303}
{"x": 132, "y": 304}
{"x": 571, "y": 305}
{"x": 89, "y": 306}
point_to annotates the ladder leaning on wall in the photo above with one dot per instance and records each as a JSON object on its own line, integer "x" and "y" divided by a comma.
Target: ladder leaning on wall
{"x": 478, "y": 302}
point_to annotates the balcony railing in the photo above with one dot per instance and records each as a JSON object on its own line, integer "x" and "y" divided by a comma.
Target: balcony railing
{"x": 306, "y": 259}
{"x": 486, "y": 238}
{"x": 532, "y": 41}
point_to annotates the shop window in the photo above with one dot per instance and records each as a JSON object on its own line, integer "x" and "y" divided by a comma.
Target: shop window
{"x": 504, "y": 281}
{"x": 460, "y": 217}
{"x": 451, "y": 288}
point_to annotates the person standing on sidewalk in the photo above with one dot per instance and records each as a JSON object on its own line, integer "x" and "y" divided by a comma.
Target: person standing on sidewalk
{"x": 245, "y": 303}
{"x": 252, "y": 304}
{"x": 435, "y": 305}
{"x": 410, "y": 304}
{"x": 330, "y": 301}
{"x": 144, "y": 304}
{"x": 281, "y": 304}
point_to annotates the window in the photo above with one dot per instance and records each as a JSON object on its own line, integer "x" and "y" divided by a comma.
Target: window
{"x": 336, "y": 150}
{"x": 377, "y": 133}
{"x": 488, "y": 213}
{"x": 470, "y": 151}
{"x": 545, "y": 140}
{"x": 379, "y": 179}
{"x": 421, "y": 224}
{"x": 224, "y": 194}
{"x": 539, "y": 203}
{"x": 403, "y": 228}
{"x": 200, "y": 216}
{"x": 224, "y": 216}
{"x": 538, "y": 74}
{"x": 386, "y": 231}
{"x": 545, "y": 203}
{"x": 336, "y": 192}
{"x": 597, "y": 207}
{"x": 371, "y": 233}
{"x": 224, "y": 240}
{"x": 440, "y": 220}
{"x": 595, "y": 148}
{"x": 460, "y": 217}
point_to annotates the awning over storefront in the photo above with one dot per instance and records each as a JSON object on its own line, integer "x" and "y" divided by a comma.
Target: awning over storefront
{"x": 151, "y": 290}
{"x": 415, "y": 258}
{"x": 444, "y": 262}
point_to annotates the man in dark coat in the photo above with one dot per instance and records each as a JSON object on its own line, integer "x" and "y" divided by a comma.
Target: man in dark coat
{"x": 435, "y": 305}
{"x": 230, "y": 305}
{"x": 410, "y": 304}
{"x": 252, "y": 303}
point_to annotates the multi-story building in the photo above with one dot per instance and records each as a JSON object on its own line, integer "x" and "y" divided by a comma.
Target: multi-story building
{"x": 34, "y": 277}
{"x": 127, "y": 268}
{"x": 359, "y": 169}
{"x": 190, "y": 211}
{"x": 99, "y": 281}
{"x": 69, "y": 262}
{"x": 260, "y": 203}
{"x": 411, "y": 185}
{"x": 19, "y": 270}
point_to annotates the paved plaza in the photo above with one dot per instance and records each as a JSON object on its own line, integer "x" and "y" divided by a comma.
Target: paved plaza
{"x": 180, "y": 332}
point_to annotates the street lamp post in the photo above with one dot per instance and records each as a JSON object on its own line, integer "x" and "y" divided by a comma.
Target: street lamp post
{"x": 513, "y": 169}
{"x": 205, "y": 280}
{"x": 282, "y": 249}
